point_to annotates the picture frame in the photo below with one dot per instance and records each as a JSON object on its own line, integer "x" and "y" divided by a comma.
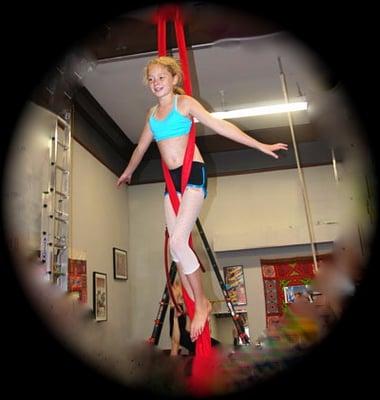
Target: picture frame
{"x": 290, "y": 293}
{"x": 77, "y": 279}
{"x": 100, "y": 296}
{"x": 120, "y": 264}
{"x": 235, "y": 282}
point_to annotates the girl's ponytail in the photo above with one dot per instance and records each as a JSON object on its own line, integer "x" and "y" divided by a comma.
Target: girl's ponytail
{"x": 178, "y": 90}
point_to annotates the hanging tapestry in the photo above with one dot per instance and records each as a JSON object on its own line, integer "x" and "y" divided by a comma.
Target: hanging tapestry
{"x": 282, "y": 278}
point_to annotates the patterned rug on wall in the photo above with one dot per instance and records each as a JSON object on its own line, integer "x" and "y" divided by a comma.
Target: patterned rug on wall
{"x": 281, "y": 273}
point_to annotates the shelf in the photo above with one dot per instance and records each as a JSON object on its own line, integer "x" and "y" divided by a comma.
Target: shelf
{"x": 227, "y": 314}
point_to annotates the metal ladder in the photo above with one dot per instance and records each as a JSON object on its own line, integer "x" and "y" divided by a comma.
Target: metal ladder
{"x": 55, "y": 207}
{"x": 236, "y": 318}
{"x": 163, "y": 307}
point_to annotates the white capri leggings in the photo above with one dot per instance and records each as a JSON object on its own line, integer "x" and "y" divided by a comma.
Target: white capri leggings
{"x": 180, "y": 227}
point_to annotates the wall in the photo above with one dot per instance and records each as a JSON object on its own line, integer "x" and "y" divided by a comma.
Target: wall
{"x": 267, "y": 209}
{"x": 26, "y": 177}
{"x": 146, "y": 242}
{"x": 99, "y": 222}
{"x": 333, "y": 115}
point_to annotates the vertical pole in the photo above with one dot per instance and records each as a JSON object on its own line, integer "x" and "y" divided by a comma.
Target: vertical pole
{"x": 300, "y": 172}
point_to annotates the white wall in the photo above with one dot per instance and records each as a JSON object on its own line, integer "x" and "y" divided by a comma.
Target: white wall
{"x": 99, "y": 222}
{"x": 267, "y": 209}
{"x": 146, "y": 241}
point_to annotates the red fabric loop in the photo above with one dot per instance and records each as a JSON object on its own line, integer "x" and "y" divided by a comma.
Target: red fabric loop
{"x": 165, "y": 13}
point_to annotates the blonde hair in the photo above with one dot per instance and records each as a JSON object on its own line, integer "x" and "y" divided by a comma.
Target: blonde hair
{"x": 172, "y": 65}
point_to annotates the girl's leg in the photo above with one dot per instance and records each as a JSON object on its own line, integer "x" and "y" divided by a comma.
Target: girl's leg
{"x": 202, "y": 305}
{"x": 176, "y": 337}
{"x": 170, "y": 224}
{"x": 189, "y": 210}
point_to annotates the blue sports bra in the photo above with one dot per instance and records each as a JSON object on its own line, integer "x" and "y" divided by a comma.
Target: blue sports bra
{"x": 173, "y": 125}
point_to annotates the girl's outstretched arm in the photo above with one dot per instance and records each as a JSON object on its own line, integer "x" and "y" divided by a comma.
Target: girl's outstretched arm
{"x": 229, "y": 130}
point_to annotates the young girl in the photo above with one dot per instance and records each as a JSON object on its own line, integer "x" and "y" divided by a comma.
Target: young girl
{"x": 169, "y": 123}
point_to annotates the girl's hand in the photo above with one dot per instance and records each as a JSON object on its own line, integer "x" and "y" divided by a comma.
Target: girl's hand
{"x": 125, "y": 178}
{"x": 271, "y": 148}
{"x": 178, "y": 313}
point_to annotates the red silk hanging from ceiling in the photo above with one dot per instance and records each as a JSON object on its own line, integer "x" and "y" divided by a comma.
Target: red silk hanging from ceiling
{"x": 166, "y": 13}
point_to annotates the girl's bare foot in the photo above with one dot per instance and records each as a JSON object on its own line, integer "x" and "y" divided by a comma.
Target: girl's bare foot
{"x": 202, "y": 311}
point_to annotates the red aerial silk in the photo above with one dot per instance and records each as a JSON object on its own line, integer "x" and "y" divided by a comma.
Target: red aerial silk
{"x": 206, "y": 366}
{"x": 165, "y": 13}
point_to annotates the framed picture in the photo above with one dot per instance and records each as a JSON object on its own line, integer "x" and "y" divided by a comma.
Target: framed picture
{"x": 297, "y": 291}
{"x": 100, "y": 296}
{"x": 77, "y": 279}
{"x": 234, "y": 279}
{"x": 120, "y": 264}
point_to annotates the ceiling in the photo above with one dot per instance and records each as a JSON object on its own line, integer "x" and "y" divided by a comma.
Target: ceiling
{"x": 233, "y": 60}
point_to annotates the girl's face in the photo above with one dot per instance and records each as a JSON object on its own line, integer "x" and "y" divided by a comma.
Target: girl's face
{"x": 160, "y": 80}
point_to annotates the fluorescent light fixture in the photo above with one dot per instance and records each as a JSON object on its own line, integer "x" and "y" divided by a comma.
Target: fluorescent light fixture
{"x": 261, "y": 110}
